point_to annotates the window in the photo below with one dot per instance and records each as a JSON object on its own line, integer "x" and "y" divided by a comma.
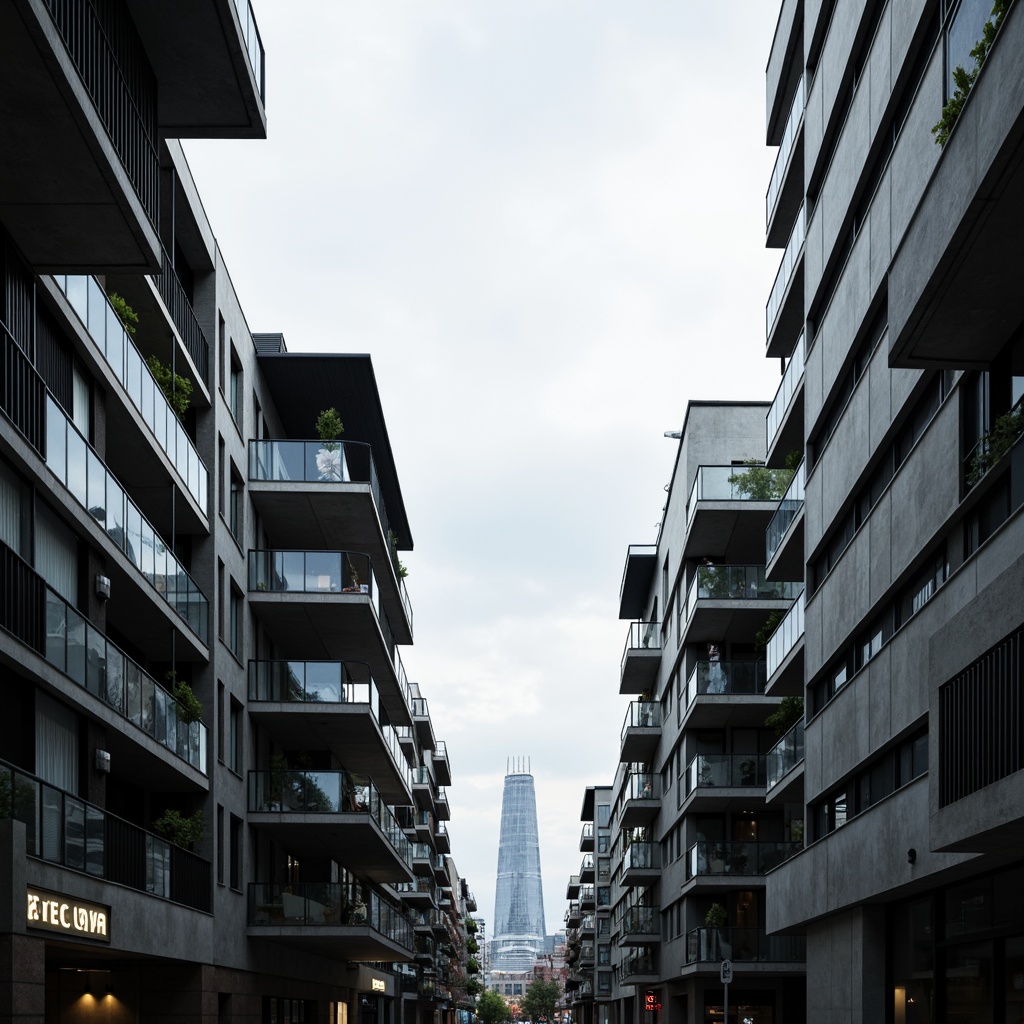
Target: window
{"x": 220, "y": 845}
{"x": 604, "y": 982}
{"x": 235, "y": 730}
{"x": 81, "y": 399}
{"x": 56, "y": 554}
{"x": 604, "y": 896}
{"x": 603, "y": 815}
{"x": 604, "y": 954}
{"x": 222, "y": 350}
{"x": 235, "y": 391}
{"x": 235, "y": 505}
{"x": 14, "y": 512}
{"x": 221, "y": 605}
{"x": 236, "y": 853}
{"x": 235, "y": 624}
{"x": 602, "y": 844}
{"x": 221, "y": 743}
{"x": 288, "y": 1011}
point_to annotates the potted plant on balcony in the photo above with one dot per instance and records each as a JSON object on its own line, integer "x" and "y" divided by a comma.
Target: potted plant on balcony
{"x": 328, "y": 457}
{"x": 180, "y": 830}
{"x": 716, "y": 918}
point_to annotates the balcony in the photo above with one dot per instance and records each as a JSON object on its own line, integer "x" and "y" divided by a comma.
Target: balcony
{"x": 331, "y": 705}
{"x": 641, "y": 799}
{"x": 309, "y": 492}
{"x": 442, "y": 839}
{"x": 641, "y": 657}
{"x": 720, "y": 781}
{"x": 784, "y": 313}
{"x": 641, "y": 863}
{"x": 140, "y": 392}
{"x": 784, "y": 424}
{"x": 80, "y": 470}
{"x": 81, "y": 113}
{"x": 729, "y": 504}
{"x": 421, "y": 722}
{"x": 587, "y": 868}
{"x": 326, "y": 604}
{"x": 639, "y": 925}
{"x": 785, "y": 653}
{"x": 726, "y": 861}
{"x": 352, "y": 921}
{"x": 954, "y": 296}
{"x": 442, "y": 767}
{"x": 441, "y": 806}
{"x": 641, "y": 731}
{"x": 587, "y": 925}
{"x": 712, "y": 945}
{"x": 729, "y": 602}
{"x": 636, "y": 580}
{"x": 587, "y": 838}
{"x": 712, "y": 688}
{"x": 70, "y": 832}
{"x": 784, "y": 538}
{"x": 335, "y": 812}
{"x": 422, "y": 858}
{"x": 783, "y": 759}
{"x": 786, "y": 188}
{"x": 587, "y": 897}
{"x": 639, "y": 965}
{"x": 422, "y": 892}
{"x": 572, "y": 888}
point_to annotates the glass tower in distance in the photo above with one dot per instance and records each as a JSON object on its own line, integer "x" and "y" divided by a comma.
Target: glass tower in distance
{"x": 519, "y": 928}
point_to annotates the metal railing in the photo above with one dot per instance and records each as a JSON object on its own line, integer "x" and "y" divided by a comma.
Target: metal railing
{"x": 115, "y": 344}
{"x": 786, "y": 635}
{"x": 253, "y": 44}
{"x": 111, "y": 61}
{"x": 641, "y": 714}
{"x": 787, "y": 388}
{"x": 746, "y": 482}
{"x": 707, "y": 945}
{"x": 791, "y": 503}
{"x": 66, "y": 830}
{"x": 794, "y": 247}
{"x": 184, "y": 317}
{"x": 643, "y": 786}
{"x": 786, "y": 754}
{"x": 81, "y": 471}
{"x": 335, "y": 791}
{"x": 22, "y": 392}
{"x": 736, "y": 583}
{"x": 643, "y": 636}
{"x": 709, "y": 857}
{"x": 789, "y": 134}
{"x": 707, "y": 771}
{"x": 641, "y": 856}
{"x": 330, "y": 905}
{"x": 724, "y": 677}
{"x": 641, "y": 921}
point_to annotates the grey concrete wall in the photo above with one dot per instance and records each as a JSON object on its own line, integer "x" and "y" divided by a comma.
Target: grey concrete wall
{"x": 846, "y": 967}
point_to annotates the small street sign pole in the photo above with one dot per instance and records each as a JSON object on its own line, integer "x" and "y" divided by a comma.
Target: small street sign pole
{"x": 725, "y": 975}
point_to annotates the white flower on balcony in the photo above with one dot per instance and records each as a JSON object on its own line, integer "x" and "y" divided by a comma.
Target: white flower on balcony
{"x": 328, "y": 463}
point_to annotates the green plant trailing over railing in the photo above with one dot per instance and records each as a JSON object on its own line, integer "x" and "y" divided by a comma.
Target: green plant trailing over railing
{"x": 963, "y": 80}
{"x": 125, "y": 313}
{"x": 786, "y": 715}
{"x": 996, "y": 443}
{"x": 760, "y": 483}
{"x": 190, "y": 708}
{"x": 471, "y": 926}
{"x": 329, "y": 426}
{"x": 181, "y": 831}
{"x": 177, "y": 389}
{"x": 764, "y": 634}
{"x": 400, "y": 570}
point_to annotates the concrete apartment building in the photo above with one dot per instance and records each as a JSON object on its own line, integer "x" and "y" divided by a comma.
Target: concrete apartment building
{"x": 145, "y": 545}
{"x": 691, "y": 834}
{"x": 898, "y": 310}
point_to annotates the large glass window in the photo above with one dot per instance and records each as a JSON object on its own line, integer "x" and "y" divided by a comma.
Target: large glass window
{"x": 56, "y": 554}
{"x": 14, "y": 511}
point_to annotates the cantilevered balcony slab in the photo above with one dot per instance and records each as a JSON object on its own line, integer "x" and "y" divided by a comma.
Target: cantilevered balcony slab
{"x": 725, "y": 693}
{"x": 731, "y": 602}
{"x": 66, "y": 195}
{"x": 636, "y": 580}
{"x": 954, "y": 284}
{"x": 785, "y": 654}
{"x": 207, "y": 56}
{"x": 721, "y": 782}
{"x": 641, "y": 864}
{"x": 641, "y": 657}
{"x": 784, "y": 538}
{"x": 641, "y": 731}
{"x": 727, "y": 509}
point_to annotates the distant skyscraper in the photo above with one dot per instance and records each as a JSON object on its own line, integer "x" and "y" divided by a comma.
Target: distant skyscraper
{"x": 519, "y": 928}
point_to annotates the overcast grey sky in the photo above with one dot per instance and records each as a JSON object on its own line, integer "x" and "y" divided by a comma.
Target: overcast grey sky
{"x": 544, "y": 219}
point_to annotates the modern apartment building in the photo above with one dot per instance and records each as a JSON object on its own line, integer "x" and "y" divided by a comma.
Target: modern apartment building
{"x": 691, "y": 835}
{"x": 267, "y": 843}
{"x": 898, "y": 314}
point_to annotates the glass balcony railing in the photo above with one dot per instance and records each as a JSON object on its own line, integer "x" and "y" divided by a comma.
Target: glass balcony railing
{"x": 784, "y": 396}
{"x": 65, "y": 830}
{"x": 330, "y": 905}
{"x": 325, "y": 682}
{"x": 792, "y": 502}
{"x": 253, "y": 43}
{"x": 736, "y": 858}
{"x": 641, "y": 856}
{"x": 641, "y": 714}
{"x": 716, "y": 677}
{"x": 587, "y": 836}
{"x": 419, "y": 708}
{"x": 747, "y": 482}
{"x": 586, "y": 896}
{"x": 643, "y": 636}
{"x": 638, "y": 961}
{"x": 786, "y": 635}
{"x": 789, "y": 134}
{"x": 735, "y": 583}
{"x": 95, "y": 488}
{"x": 336, "y": 791}
{"x": 707, "y": 771}
{"x": 587, "y": 865}
{"x": 421, "y": 776}
{"x": 641, "y": 921}
{"x": 77, "y": 648}
{"x": 643, "y": 786}
{"x": 104, "y": 326}
{"x": 421, "y": 886}
{"x": 786, "y": 754}
{"x": 312, "y": 572}
{"x": 710, "y": 945}
{"x": 790, "y": 258}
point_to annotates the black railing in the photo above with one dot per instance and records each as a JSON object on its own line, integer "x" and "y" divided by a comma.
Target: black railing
{"x": 22, "y": 600}
{"x": 22, "y": 393}
{"x": 111, "y": 61}
{"x": 65, "y": 830}
{"x": 176, "y": 301}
